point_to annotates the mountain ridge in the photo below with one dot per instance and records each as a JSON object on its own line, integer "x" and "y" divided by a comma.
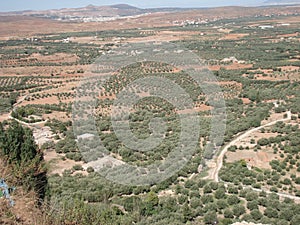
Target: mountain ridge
{"x": 282, "y": 2}
{"x": 91, "y": 12}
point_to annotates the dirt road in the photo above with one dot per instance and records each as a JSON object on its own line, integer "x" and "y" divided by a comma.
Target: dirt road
{"x": 219, "y": 162}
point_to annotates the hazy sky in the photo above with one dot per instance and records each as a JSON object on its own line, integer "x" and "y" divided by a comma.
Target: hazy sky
{"x": 15, "y": 5}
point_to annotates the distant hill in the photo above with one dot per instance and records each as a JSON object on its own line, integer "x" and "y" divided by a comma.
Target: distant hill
{"x": 124, "y": 7}
{"x": 281, "y": 2}
{"x": 91, "y": 12}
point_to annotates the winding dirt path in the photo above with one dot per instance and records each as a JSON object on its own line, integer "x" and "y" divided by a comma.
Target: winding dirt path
{"x": 219, "y": 162}
{"x": 215, "y": 174}
{"x": 20, "y": 121}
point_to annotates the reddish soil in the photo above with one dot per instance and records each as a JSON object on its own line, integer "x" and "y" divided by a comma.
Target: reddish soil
{"x": 56, "y": 58}
{"x": 61, "y": 116}
{"x": 290, "y": 68}
{"x": 201, "y": 108}
{"x": 42, "y": 101}
{"x": 233, "y": 36}
{"x": 246, "y": 100}
{"x": 234, "y": 66}
{"x": 289, "y": 35}
{"x": 56, "y": 71}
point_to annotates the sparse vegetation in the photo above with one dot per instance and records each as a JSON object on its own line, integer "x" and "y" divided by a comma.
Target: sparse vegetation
{"x": 258, "y": 72}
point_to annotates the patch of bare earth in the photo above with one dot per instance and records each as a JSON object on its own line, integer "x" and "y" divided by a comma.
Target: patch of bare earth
{"x": 258, "y": 159}
{"x": 42, "y": 101}
{"x": 68, "y": 71}
{"x": 289, "y": 35}
{"x": 246, "y": 223}
{"x": 246, "y": 101}
{"x": 4, "y": 117}
{"x": 61, "y": 116}
{"x": 233, "y": 36}
{"x": 166, "y": 193}
{"x": 58, "y": 165}
{"x": 200, "y": 108}
{"x": 273, "y": 117}
{"x": 55, "y": 58}
{"x": 25, "y": 211}
{"x": 289, "y": 68}
{"x": 165, "y": 36}
{"x": 233, "y": 66}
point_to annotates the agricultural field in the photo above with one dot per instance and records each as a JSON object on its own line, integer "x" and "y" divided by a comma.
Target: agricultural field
{"x": 251, "y": 174}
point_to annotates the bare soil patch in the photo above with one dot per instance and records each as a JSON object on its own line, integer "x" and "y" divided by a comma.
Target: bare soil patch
{"x": 55, "y": 58}
{"x": 233, "y": 36}
{"x": 200, "y": 108}
{"x": 289, "y": 35}
{"x": 234, "y": 66}
{"x": 246, "y": 101}
{"x": 290, "y": 68}
{"x": 163, "y": 36}
{"x": 273, "y": 117}
{"x": 258, "y": 159}
{"x": 61, "y": 116}
{"x": 58, "y": 165}
{"x": 4, "y": 117}
{"x": 42, "y": 101}
{"x": 166, "y": 193}
{"x": 55, "y": 71}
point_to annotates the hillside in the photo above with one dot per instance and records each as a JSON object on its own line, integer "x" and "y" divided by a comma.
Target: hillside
{"x": 21, "y": 24}
{"x": 120, "y": 115}
{"x": 91, "y": 13}
{"x": 281, "y": 2}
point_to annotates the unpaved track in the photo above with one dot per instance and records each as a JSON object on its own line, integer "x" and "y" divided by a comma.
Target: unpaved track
{"x": 219, "y": 162}
{"x": 22, "y": 122}
{"x": 282, "y": 195}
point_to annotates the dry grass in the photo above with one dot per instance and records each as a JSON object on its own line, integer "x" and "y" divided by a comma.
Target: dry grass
{"x": 25, "y": 211}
